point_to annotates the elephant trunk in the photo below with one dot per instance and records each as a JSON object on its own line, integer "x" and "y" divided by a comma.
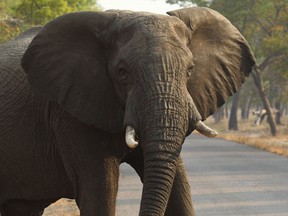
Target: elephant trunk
{"x": 163, "y": 130}
{"x": 159, "y": 171}
{"x": 162, "y": 124}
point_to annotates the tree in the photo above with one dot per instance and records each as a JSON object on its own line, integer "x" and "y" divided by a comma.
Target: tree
{"x": 246, "y": 102}
{"x": 272, "y": 32}
{"x": 18, "y": 15}
{"x": 9, "y": 26}
{"x": 233, "y": 123}
{"x": 36, "y": 12}
{"x": 266, "y": 103}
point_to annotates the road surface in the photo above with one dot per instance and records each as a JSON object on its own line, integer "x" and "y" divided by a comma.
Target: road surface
{"x": 227, "y": 179}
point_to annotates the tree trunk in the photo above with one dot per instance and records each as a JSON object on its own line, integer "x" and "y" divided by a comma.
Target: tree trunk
{"x": 259, "y": 84}
{"x": 243, "y": 112}
{"x": 233, "y": 123}
{"x": 245, "y": 109}
{"x": 249, "y": 106}
{"x": 226, "y": 110}
{"x": 278, "y": 113}
{"x": 219, "y": 115}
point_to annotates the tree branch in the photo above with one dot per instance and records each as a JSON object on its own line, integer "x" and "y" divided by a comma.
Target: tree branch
{"x": 269, "y": 59}
{"x": 263, "y": 27}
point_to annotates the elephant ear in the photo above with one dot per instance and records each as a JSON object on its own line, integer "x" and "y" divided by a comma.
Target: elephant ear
{"x": 221, "y": 56}
{"x": 66, "y": 62}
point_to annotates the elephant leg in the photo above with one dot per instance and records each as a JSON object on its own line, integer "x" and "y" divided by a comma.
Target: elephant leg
{"x": 96, "y": 194}
{"x": 24, "y": 207}
{"x": 180, "y": 202}
{"x": 92, "y": 162}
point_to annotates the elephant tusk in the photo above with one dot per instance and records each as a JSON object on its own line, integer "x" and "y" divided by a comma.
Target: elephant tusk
{"x": 205, "y": 130}
{"x": 130, "y": 137}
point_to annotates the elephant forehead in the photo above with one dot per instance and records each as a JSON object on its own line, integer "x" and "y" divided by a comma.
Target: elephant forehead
{"x": 142, "y": 33}
{"x": 165, "y": 26}
{"x": 152, "y": 25}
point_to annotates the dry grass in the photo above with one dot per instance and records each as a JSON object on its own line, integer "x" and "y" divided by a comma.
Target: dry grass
{"x": 259, "y": 137}
{"x": 277, "y": 145}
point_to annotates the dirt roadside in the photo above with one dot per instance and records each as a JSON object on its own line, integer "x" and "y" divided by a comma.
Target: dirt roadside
{"x": 256, "y": 136}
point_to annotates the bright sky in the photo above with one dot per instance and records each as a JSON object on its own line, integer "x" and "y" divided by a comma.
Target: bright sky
{"x": 155, "y": 6}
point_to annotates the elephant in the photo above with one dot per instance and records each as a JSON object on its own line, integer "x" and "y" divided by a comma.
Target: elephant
{"x": 91, "y": 90}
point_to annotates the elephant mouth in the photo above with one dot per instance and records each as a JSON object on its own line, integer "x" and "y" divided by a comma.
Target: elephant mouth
{"x": 132, "y": 142}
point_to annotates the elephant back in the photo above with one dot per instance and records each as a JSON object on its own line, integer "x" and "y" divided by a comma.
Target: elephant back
{"x": 14, "y": 88}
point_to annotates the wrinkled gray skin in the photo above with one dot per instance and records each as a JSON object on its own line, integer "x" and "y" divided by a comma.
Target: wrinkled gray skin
{"x": 90, "y": 75}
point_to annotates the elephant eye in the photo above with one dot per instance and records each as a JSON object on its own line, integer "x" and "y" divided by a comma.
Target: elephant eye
{"x": 123, "y": 73}
{"x": 190, "y": 69}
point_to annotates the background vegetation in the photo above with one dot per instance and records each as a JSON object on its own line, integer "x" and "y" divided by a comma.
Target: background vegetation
{"x": 18, "y": 15}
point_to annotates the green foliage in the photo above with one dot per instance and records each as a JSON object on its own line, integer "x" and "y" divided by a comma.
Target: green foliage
{"x": 18, "y": 15}
{"x": 38, "y": 12}
{"x": 7, "y": 31}
{"x": 9, "y": 26}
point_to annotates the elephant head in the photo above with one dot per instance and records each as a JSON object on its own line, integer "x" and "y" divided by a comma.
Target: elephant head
{"x": 158, "y": 76}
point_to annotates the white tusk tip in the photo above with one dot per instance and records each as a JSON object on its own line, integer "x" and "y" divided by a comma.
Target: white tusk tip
{"x": 132, "y": 145}
{"x": 213, "y": 134}
{"x": 205, "y": 130}
{"x": 130, "y": 137}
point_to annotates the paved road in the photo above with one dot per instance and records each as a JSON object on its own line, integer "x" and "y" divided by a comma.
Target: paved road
{"x": 227, "y": 179}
